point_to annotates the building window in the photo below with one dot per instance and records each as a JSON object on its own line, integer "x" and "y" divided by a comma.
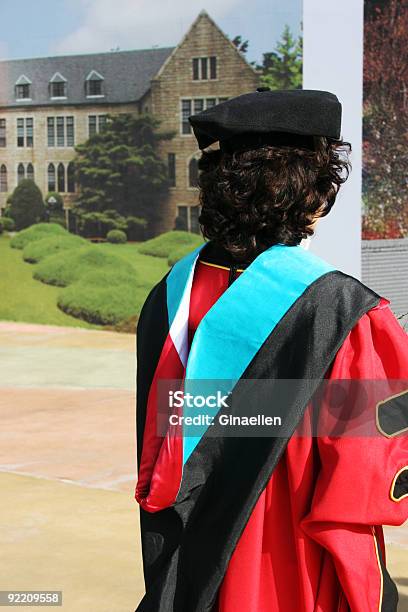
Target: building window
{"x": 23, "y": 92}
{"x": 171, "y": 167}
{"x": 96, "y": 123}
{"x": 94, "y": 88}
{"x": 58, "y": 86}
{"x": 185, "y": 113}
{"x": 51, "y": 131}
{"x": 194, "y": 214}
{"x": 3, "y": 136}
{"x": 30, "y": 172}
{"x": 51, "y": 177}
{"x": 20, "y": 133}
{"x": 61, "y": 178}
{"x": 92, "y": 129}
{"x": 59, "y": 90}
{"x": 204, "y": 68}
{"x": 94, "y": 85}
{"x": 102, "y": 120}
{"x": 70, "y": 131}
{"x": 29, "y": 132}
{"x": 25, "y": 134}
{"x": 213, "y": 67}
{"x": 187, "y": 218}
{"x": 61, "y": 131}
{"x": 199, "y": 104}
{"x": 20, "y": 173}
{"x": 71, "y": 178}
{"x": 23, "y": 88}
{"x": 196, "y": 68}
{"x": 182, "y": 220}
{"x": 25, "y": 172}
{"x": 3, "y": 179}
{"x": 193, "y": 173}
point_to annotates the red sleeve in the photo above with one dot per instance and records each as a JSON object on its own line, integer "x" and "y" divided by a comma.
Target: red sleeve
{"x": 356, "y": 491}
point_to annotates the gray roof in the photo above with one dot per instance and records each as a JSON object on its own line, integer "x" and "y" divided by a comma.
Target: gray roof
{"x": 385, "y": 269}
{"x": 127, "y": 76}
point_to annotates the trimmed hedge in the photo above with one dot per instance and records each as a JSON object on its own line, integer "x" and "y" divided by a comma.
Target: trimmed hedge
{"x": 38, "y": 250}
{"x": 116, "y": 236}
{"x": 104, "y": 297}
{"x": 67, "y": 267}
{"x": 163, "y": 245}
{"x": 106, "y": 305}
{"x": 109, "y": 277}
{"x": 36, "y": 232}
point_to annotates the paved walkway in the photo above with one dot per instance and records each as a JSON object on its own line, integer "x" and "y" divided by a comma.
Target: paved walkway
{"x": 68, "y": 520}
{"x": 60, "y": 536}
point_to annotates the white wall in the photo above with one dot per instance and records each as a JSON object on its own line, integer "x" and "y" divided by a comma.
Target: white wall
{"x": 333, "y": 61}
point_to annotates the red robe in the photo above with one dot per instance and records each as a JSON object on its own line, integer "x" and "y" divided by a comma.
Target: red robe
{"x": 314, "y": 540}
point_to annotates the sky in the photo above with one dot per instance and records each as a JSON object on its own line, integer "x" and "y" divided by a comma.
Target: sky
{"x": 60, "y": 27}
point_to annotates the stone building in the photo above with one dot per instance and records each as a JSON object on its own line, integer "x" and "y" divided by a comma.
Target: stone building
{"x": 49, "y": 105}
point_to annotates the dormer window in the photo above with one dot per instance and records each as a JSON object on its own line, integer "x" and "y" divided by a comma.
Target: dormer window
{"x": 94, "y": 85}
{"x": 58, "y": 86}
{"x": 23, "y": 88}
{"x": 23, "y": 92}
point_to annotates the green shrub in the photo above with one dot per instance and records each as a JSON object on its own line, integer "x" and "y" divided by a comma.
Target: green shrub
{"x": 104, "y": 297}
{"x": 1, "y": 228}
{"x": 109, "y": 277}
{"x": 102, "y": 305}
{"x": 116, "y": 236}
{"x": 66, "y": 267}
{"x": 40, "y": 249}
{"x": 27, "y": 206}
{"x": 7, "y": 224}
{"x": 36, "y": 232}
{"x": 163, "y": 245}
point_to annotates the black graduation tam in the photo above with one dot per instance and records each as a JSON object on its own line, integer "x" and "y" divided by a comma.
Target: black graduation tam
{"x": 263, "y": 116}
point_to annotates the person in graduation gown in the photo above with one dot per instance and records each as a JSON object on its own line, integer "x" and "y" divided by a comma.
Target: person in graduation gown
{"x": 288, "y": 521}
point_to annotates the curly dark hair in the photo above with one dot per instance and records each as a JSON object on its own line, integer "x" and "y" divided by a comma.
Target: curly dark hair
{"x": 252, "y": 199}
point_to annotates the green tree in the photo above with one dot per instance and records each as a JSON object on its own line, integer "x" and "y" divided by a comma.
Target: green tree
{"x": 241, "y": 45}
{"x": 120, "y": 169}
{"x": 27, "y": 205}
{"x": 282, "y": 68}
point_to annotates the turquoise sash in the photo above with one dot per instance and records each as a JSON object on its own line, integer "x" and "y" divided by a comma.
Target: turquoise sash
{"x": 236, "y": 326}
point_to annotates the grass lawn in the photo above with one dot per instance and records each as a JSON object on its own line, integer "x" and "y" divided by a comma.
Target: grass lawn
{"x": 27, "y": 300}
